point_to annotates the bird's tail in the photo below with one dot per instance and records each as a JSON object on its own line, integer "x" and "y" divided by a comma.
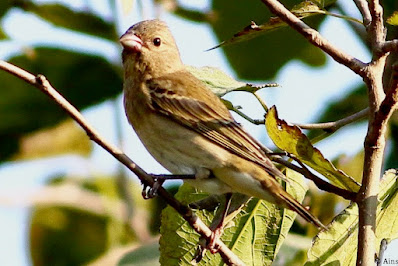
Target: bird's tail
{"x": 301, "y": 210}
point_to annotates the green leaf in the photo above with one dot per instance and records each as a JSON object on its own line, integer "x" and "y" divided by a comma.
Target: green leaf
{"x": 5, "y": 5}
{"x": 291, "y": 139}
{"x": 338, "y": 245}
{"x": 84, "y": 80}
{"x": 393, "y": 19}
{"x": 62, "y": 16}
{"x": 146, "y": 255}
{"x": 255, "y": 234}
{"x": 3, "y": 35}
{"x": 220, "y": 83}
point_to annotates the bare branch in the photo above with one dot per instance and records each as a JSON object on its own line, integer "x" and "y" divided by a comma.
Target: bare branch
{"x": 314, "y": 37}
{"x": 41, "y": 83}
{"x": 375, "y": 138}
{"x": 376, "y": 30}
{"x": 390, "y": 46}
{"x": 334, "y": 126}
{"x": 363, "y": 7}
{"x": 383, "y": 247}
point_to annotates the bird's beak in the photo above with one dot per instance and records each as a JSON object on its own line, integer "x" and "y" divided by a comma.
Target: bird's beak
{"x": 131, "y": 42}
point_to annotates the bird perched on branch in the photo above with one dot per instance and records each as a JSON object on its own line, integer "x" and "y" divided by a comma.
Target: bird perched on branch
{"x": 187, "y": 128}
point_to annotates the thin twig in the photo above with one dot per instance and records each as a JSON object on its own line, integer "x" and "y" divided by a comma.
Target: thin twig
{"x": 41, "y": 83}
{"x": 334, "y": 126}
{"x": 261, "y": 101}
{"x": 314, "y": 37}
{"x": 383, "y": 247}
{"x": 251, "y": 120}
{"x": 363, "y": 7}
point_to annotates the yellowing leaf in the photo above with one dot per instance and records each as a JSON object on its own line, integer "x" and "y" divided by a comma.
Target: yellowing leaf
{"x": 393, "y": 19}
{"x": 291, "y": 139}
{"x": 338, "y": 245}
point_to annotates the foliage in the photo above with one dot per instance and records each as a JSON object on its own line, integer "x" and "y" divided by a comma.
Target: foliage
{"x": 67, "y": 232}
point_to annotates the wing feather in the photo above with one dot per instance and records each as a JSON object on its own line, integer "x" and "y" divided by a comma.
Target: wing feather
{"x": 214, "y": 122}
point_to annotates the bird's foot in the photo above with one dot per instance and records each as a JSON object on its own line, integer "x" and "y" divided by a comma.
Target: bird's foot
{"x": 149, "y": 191}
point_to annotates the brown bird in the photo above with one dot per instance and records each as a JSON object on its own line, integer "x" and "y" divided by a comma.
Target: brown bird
{"x": 187, "y": 128}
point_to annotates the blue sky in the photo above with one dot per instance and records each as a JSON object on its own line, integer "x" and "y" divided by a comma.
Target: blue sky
{"x": 303, "y": 93}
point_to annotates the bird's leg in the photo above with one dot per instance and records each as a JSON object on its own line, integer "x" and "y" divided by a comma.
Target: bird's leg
{"x": 217, "y": 225}
{"x": 223, "y": 216}
{"x": 149, "y": 192}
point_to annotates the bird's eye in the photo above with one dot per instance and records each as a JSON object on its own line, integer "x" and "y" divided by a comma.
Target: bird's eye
{"x": 157, "y": 41}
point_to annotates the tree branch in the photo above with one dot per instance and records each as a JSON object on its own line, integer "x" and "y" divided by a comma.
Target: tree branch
{"x": 314, "y": 37}
{"x": 390, "y": 46}
{"x": 334, "y": 126}
{"x": 41, "y": 83}
{"x": 375, "y": 138}
{"x": 363, "y": 7}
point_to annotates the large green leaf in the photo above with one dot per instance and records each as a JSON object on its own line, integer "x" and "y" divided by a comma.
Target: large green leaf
{"x": 84, "y": 80}
{"x": 291, "y": 139}
{"x": 260, "y": 58}
{"x": 338, "y": 245}
{"x": 62, "y": 16}
{"x": 255, "y": 235}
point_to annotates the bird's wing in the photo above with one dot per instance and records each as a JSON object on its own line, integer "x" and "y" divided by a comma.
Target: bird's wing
{"x": 212, "y": 121}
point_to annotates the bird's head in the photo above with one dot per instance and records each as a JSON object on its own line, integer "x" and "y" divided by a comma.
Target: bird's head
{"x": 150, "y": 44}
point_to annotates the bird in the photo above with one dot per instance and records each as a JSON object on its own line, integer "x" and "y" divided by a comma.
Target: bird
{"x": 187, "y": 128}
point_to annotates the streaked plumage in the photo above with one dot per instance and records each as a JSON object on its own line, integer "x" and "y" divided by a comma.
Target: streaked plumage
{"x": 187, "y": 128}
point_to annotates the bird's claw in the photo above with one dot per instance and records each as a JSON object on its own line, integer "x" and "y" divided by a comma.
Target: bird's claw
{"x": 149, "y": 192}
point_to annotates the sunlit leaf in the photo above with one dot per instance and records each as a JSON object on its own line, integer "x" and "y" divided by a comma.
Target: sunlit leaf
{"x": 338, "y": 245}
{"x": 255, "y": 235}
{"x": 393, "y": 19}
{"x": 220, "y": 83}
{"x": 291, "y": 139}
{"x": 81, "y": 21}
{"x": 64, "y": 138}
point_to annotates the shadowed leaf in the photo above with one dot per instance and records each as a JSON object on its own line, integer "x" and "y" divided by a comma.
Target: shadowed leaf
{"x": 291, "y": 139}
{"x": 84, "y": 80}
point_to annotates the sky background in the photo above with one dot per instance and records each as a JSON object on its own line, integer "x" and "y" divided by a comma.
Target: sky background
{"x": 302, "y": 95}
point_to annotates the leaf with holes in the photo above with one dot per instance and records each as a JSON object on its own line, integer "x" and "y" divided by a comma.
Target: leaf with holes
{"x": 291, "y": 139}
